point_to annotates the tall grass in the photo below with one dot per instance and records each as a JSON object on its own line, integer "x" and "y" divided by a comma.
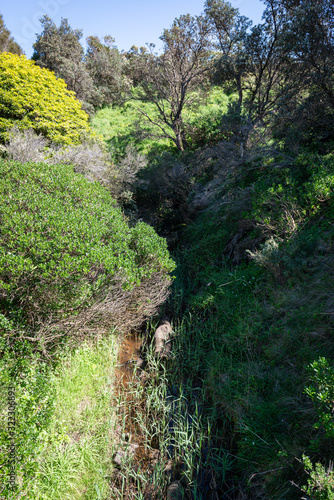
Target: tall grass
{"x": 166, "y": 416}
{"x": 248, "y": 332}
{"x": 77, "y": 448}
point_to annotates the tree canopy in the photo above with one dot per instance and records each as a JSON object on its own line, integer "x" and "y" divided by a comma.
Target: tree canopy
{"x": 59, "y": 50}
{"x": 170, "y": 77}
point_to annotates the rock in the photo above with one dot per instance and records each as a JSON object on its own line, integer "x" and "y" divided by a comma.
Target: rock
{"x": 175, "y": 491}
{"x": 169, "y": 470}
{"x": 122, "y": 455}
{"x": 139, "y": 362}
{"x": 162, "y": 338}
{"x": 120, "y": 458}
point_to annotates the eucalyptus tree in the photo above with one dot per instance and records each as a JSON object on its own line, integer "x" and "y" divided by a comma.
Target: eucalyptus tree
{"x": 309, "y": 36}
{"x": 170, "y": 78}
{"x": 268, "y": 65}
{"x": 228, "y": 32}
{"x": 105, "y": 65}
{"x": 59, "y": 49}
{"x": 252, "y": 59}
{"x": 306, "y": 114}
{"x": 136, "y": 60}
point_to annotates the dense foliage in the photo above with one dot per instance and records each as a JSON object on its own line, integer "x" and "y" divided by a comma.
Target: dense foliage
{"x": 70, "y": 265}
{"x": 257, "y": 290}
{"x": 95, "y": 77}
{"x": 60, "y": 51}
{"x": 121, "y": 126}
{"x": 63, "y": 241}
{"x": 32, "y": 97}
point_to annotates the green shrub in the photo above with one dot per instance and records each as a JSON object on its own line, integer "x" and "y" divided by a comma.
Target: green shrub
{"x": 32, "y": 97}
{"x": 321, "y": 391}
{"x": 320, "y": 485}
{"x": 66, "y": 246}
{"x": 68, "y": 261}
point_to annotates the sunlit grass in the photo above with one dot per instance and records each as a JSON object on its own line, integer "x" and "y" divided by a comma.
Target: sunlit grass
{"x": 76, "y": 461}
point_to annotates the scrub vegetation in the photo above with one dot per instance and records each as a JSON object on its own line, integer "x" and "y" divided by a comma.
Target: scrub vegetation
{"x": 201, "y": 189}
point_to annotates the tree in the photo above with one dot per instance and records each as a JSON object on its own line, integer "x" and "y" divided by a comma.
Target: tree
{"x": 313, "y": 46}
{"x": 32, "y": 97}
{"x": 229, "y": 30}
{"x": 170, "y": 77}
{"x": 137, "y": 60}
{"x": 7, "y": 42}
{"x": 266, "y": 82}
{"x": 305, "y": 114}
{"x": 60, "y": 50}
{"x": 254, "y": 59}
{"x": 105, "y": 66}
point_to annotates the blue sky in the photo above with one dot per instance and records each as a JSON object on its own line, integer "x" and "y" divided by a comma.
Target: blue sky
{"x": 130, "y": 22}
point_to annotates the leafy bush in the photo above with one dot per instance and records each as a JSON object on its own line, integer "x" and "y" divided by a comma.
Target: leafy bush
{"x": 68, "y": 262}
{"x": 321, "y": 391}
{"x": 30, "y": 379}
{"x": 320, "y": 485}
{"x": 32, "y": 97}
{"x": 66, "y": 247}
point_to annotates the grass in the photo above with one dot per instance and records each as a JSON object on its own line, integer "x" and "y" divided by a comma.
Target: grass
{"x": 228, "y": 412}
{"x": 119, "y": 126}
{"x": 248, "y": 334}
{"x": 166, "y": 416}
{"x": 123, "y": 125}
{"x": 77, "y": 448}
{"x": 230, "y": 409}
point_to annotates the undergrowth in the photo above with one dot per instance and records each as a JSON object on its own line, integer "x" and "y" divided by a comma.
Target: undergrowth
{"x": 123, "y": 125}
{"x": 249, "y": 332}
{"x": 65, "y": 422}
{"x": 78, "y": 446}
{"x": 244, "y": 405}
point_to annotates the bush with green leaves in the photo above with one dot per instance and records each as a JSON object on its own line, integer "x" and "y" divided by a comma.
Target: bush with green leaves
{"x": 30, "y": 380}
{"x": 320, "y": 485}
{"x": 321, "y": 391}
{"x": 32, "y": 97}
{"x": 66, "y": 247}
{"x": 69, "y": 263}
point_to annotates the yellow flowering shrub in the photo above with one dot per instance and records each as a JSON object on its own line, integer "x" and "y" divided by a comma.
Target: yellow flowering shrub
{"x": 32, "y": 97}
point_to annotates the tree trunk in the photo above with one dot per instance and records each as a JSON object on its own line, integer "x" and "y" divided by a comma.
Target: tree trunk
{"x": 178, "y": 138}
{"x": 239, "y": 88}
